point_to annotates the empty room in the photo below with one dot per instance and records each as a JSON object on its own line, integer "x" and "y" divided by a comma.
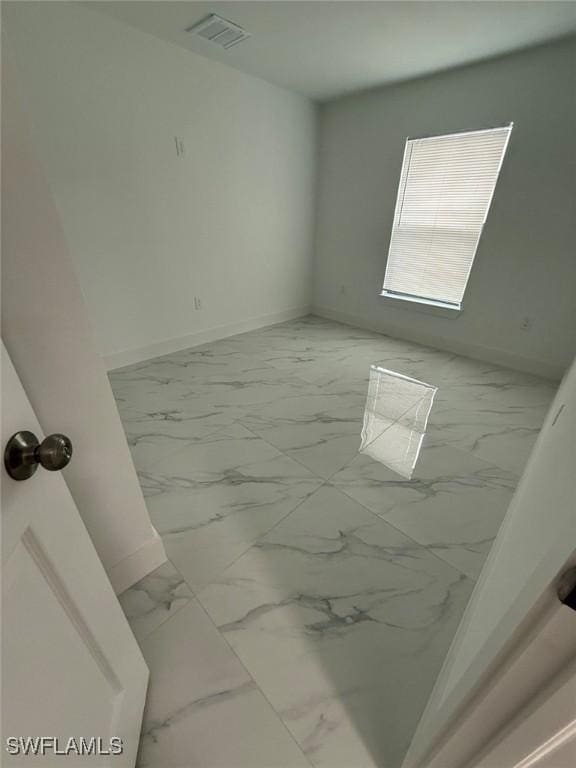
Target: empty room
{"x": 288, "y": 384}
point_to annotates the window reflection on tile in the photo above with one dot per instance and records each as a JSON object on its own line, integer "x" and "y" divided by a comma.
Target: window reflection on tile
{"x": 395, "y": 419}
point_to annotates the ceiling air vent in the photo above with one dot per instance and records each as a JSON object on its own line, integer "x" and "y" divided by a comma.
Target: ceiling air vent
{"x": 220, "y": 31}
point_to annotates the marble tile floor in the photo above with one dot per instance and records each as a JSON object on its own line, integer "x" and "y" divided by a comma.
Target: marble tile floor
{"x": 311, "y": 593}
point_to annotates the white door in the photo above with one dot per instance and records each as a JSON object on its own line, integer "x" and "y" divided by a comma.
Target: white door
{"x": 516, "y": 636}
{"x": 46, "y": 330}
{"x": 71, "y": 667}
{"x": 545, "y": 735}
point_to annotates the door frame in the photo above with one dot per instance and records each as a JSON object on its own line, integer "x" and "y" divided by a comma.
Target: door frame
{"x": 544, "y": 731}
{"x": 541, "y": 651}
{"x": 513, "y": 638}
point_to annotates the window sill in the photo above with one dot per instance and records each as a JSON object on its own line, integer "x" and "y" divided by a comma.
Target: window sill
{"x": 426, "y": 306}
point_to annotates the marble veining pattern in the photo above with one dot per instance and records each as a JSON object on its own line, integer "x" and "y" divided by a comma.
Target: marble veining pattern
{"x": 312, "y": 593}
{"x": 203, "y": 708}
{"x": 154, "y": 599}
{"x": 333, "y": 611}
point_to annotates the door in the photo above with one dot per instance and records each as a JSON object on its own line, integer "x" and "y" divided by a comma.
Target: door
{"x": 47, "y": 332}
{"x": 515, "y": 636}
{"x": 544, "y": 736}
{"x": 71, "y": 667}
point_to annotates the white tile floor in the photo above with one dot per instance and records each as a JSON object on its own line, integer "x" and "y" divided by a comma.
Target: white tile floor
{"x": 312, "y": 592}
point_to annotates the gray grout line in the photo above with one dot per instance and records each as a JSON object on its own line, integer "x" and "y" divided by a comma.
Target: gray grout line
{"x": 325, "y": 482}
{"x": 382, "y": 520}
{"x": 284, "y": 453}
{"x": 195, "y": 598}
{"x": 185, "y": 442}
{"x": 265, "y": 533}
{"x": 399, "y": 530}
{"x": 252, "y": 543}
{"x": 272, "y": 707}
{"x": 172, "y": 613}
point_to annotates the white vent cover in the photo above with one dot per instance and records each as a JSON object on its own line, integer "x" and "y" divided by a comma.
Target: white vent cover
{"x": 220, "y": 31}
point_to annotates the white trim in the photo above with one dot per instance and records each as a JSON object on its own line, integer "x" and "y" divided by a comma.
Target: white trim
{"x": 420, "y": 300}
{"x": 139, "y": 354}
{"x": 539, "y": 654}
{"x": 560, "y": 739}
{"x": 543, "y": 727}
{"x": 477, "y": 351}
{"x": 460, "y": 133}
{"x": 131, "y": 569}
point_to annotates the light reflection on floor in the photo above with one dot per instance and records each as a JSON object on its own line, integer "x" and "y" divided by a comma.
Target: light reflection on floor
{"x": 395, "y": 419}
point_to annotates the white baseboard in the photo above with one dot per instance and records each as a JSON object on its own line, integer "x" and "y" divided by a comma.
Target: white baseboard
{"x": 477, "y": 351}
{"x": 137, "y": 565}
{"x": 139, "y": 354}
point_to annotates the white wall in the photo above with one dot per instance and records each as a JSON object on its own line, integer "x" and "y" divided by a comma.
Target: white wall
{"x": 525, "y": 265}
{"x": 47, "y": 333}
{"x": 230, "y": 222}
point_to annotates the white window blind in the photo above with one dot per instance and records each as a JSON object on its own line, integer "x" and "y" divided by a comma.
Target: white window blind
{"x": 446, "y": 186}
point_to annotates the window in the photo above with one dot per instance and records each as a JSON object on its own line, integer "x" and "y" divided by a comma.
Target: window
{"x": 445, "y": 190}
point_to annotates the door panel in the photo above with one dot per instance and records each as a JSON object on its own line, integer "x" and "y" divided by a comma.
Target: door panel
{"x": 71, "y": 666}
{"x": 46, "y": 329}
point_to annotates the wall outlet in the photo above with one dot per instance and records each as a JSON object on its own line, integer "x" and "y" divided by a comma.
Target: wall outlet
{"x": 197, "y": 302}
{"x": 179, "y": 142}
{"x": 526, "y": 323}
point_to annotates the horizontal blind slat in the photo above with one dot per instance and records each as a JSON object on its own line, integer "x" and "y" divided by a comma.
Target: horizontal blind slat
{"x": 446, "y": 186}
